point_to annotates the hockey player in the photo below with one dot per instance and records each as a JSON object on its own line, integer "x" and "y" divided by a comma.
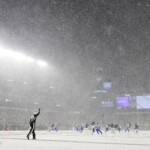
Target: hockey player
{"x": 52, "y": 126}
{"x": 86, "y": 125}
{"x": 77, "y": 127}
{"x": 56, "y": 127}
{"x": 128, "y": 125}
{"x": 98, "y": 129}
{"x": 136, "y": 127}
{"x": 107, "y": 128}
{"x": 93, "y": 126}
{"x": 82, "y": 128}
{"x": 32, "y": 125}
{"x": 119, "y": 128}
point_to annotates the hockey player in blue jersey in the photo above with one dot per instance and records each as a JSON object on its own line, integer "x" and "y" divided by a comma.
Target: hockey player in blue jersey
{"x": 107, "y": 128}
{"x": 93, "y": 126}
{"x": 77, "y": 127}
{"x": 128, "y": 125}
{"x": 98, "y": 129}
{"x": 82, "y": 128}
{"x": 93, "y": 129}
{"x": 56, "y": 126}
{"x": 119, "y": 128}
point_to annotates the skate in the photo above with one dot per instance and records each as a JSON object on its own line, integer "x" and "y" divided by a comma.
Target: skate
{"x": 28, "y": 137}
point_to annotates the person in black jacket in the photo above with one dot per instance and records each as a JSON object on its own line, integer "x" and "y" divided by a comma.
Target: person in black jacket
{"x": 32, "y": 124}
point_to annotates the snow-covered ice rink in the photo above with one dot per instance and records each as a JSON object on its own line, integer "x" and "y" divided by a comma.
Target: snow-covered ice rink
{"x": 71, "y": 140}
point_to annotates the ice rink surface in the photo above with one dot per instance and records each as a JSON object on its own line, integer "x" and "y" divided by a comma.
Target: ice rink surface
{"x": 71, "y": 140}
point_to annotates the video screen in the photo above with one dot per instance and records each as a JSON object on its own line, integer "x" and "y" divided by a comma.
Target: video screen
{"x": 132, "y": 102}
{"x": 143, "y": 102}
{"x": 107, "y": 104}
{"x": 122, "y": 101}
{"x": 107, "y": 85}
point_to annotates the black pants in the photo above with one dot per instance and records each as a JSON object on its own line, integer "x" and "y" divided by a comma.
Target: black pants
{"x": 32, "y": 131}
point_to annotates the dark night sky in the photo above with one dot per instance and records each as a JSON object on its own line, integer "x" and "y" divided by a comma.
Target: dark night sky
{"x": 82, "y": 37}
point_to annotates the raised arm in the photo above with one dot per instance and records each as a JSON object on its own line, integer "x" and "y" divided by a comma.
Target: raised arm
{"x": 35, "y": 115}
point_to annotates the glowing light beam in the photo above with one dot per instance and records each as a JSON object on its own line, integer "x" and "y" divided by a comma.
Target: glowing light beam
{"x": 8, "y": 54}
{"x": 41, "y": 63}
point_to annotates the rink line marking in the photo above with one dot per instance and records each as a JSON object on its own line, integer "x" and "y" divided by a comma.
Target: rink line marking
{"x": 85, "y": 142}
{"x": 147, "y": 137}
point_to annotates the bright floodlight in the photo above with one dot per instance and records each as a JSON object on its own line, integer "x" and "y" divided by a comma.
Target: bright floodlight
{"x": 41, "y": 63}
{"x": 13, "y": 55}
{"x": 7, "y": 53}
{"x": 30, "y": 59}
{"x": 19, "y": 56}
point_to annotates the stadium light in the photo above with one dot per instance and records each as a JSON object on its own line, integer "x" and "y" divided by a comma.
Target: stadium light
{"x": 30, "y": 59}
{"x": 8, "y": 54}
{"x": 41, "y": 63}
{"x": 19, "y": 56}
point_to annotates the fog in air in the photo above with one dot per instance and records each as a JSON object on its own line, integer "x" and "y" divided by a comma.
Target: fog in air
{"x": 77, "y": 60}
